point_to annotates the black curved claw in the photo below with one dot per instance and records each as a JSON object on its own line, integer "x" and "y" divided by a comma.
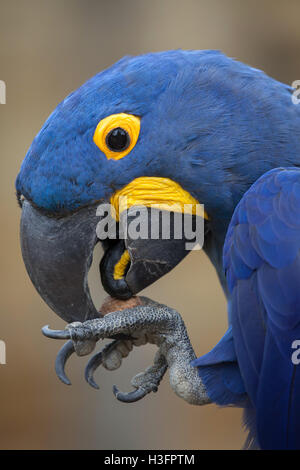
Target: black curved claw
{"x": 61, "y": 359}
{"x": 95, "y": 362}
{"x": 92, "y": 365}
{"x": 130, "y": 397}
{"x": 55, "y": 334}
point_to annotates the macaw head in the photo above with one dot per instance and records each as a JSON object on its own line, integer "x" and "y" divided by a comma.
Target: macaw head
{"x": 166, "y": 128}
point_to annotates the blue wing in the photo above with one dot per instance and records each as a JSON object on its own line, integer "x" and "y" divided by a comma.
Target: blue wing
{"x": 220, "y": 373}
{"x": 262, "y": 265}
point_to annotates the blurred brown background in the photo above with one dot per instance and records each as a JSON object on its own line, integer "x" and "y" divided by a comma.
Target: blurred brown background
{"x": 47, "y": 49}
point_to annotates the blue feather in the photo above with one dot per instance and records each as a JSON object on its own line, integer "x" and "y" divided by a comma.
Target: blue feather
{"x": 265, "y": 307}
{"x": 220, "y": 373}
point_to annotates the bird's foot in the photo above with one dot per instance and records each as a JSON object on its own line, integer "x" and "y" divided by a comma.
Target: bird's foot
{"x": 145, "y": 382}
{"x": 147, "y": 323}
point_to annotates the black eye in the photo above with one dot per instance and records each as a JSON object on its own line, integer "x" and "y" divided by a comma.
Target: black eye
{"x": 117, "y": 139}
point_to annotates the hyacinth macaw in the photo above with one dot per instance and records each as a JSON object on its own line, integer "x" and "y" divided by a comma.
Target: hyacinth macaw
{"x": 209, "y": 129}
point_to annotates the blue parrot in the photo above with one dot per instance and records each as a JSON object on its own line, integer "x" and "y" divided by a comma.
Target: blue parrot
{"x": 201, "y": 127}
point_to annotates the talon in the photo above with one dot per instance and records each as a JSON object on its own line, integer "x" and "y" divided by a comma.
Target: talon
{"x": 130, "y": 397}
{"x": 55, "y": 334}
{"x": 95, "y": 362}
{"x": 61, "y": 359}
{"x": 91, "y": 366}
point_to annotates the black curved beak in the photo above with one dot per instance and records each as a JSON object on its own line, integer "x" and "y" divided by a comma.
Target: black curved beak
{"x": 58, "y": 254}
{"x": 150, "y": 254}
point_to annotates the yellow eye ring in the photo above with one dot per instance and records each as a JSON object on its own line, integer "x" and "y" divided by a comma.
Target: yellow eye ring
{"x": 125, "y": 127}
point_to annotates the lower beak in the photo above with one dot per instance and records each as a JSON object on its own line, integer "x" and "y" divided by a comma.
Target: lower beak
{"x": 58, "y": 254}
{"x": 134, "y": 262}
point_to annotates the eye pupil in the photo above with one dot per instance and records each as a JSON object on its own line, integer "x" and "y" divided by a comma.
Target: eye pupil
{"x": 117, "y": 139}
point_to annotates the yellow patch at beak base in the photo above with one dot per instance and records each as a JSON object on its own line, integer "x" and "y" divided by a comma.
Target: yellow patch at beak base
{"x": 160, "y": 193}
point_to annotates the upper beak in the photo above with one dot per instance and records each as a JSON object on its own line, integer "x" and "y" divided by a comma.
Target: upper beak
{"x": 58, "y": 254}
